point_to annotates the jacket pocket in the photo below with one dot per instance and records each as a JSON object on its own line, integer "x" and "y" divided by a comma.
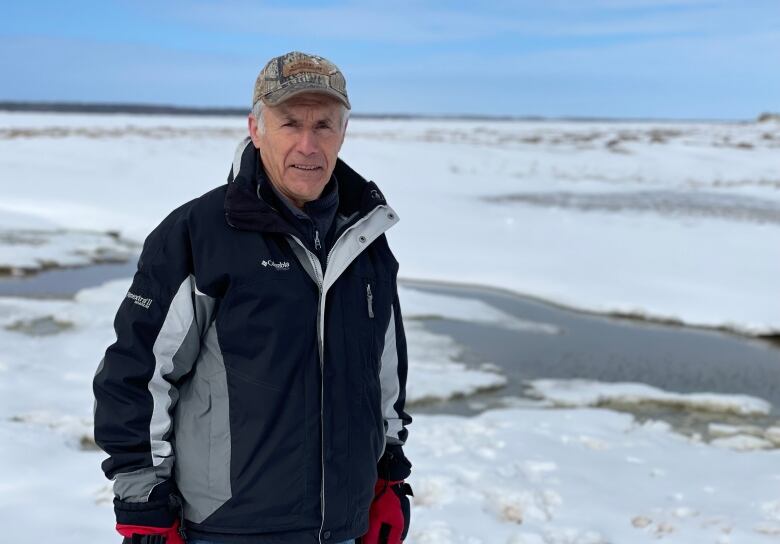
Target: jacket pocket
{"x": 202, "y": 446}
{"x": 375, "y": 320}
{"x": 373, "y": 317}
{"x": 270, "y": 451}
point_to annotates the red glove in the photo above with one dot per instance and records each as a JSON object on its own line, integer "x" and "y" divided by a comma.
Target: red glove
{"x": 388, "y": 517}
{"x": 141, "y": 534}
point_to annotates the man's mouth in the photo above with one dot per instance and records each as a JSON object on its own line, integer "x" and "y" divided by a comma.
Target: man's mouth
{"x": 307, "y": 167}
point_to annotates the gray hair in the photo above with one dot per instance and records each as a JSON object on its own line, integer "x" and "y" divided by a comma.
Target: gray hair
{"x": 257, "y": 113}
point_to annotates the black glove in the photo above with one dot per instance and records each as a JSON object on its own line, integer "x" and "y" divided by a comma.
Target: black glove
{"x": 145, "y": 539}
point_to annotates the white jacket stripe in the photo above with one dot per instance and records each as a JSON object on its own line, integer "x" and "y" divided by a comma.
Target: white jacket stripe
{"x": 174, "y": 330}
{"x": 391, "y": 387}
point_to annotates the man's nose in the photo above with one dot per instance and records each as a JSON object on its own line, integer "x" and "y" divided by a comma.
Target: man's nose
{"x": 308, "y": 143}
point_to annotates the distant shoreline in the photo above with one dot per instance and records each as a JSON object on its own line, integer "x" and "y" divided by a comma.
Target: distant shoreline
{"x": 162, "y": 109}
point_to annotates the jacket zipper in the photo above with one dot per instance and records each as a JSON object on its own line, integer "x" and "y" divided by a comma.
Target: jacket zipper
{"x": 370, "y": 300}
{"x": 321, "y": 341}
{"x": 317, "y": 244}
{"x": 321, "y": 345}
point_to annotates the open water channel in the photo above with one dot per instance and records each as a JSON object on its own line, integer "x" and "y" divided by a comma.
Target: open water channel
{"x": 593, "y": 347}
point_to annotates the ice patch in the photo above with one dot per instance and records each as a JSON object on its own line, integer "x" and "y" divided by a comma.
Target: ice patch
{"x": 435, "y": 374}
{"x": 773, "y": 435}
{"x": 27, "y": 251}
{"x": 742, "y": 442}
{"x": 720, "y": 430}
{"x": 571, "y": 393}
{"x": 40, "y": 326}
{"x": 417, "y": 304}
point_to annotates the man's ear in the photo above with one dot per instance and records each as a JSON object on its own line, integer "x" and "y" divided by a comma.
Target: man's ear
{"x": 252, "y": 125}
{"x": 344, "y": 134}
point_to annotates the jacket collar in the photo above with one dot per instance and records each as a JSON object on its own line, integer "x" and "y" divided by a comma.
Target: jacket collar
{"x": 249, "y": 206}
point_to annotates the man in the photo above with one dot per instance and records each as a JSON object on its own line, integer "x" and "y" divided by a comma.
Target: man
{"x": 256, "y": 389}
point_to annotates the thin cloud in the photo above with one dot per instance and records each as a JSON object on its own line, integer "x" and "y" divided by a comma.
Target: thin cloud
{"x": 428, "y": 23}
{"x": 390, "y": 23}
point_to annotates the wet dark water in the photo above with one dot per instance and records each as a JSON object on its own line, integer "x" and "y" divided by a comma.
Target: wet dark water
{"x": 673, "y": 358}
{"x": 64, "y": 282}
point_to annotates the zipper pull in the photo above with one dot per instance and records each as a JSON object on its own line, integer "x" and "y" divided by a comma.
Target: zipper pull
{"x": 179, "y": 505}
{"x": 370, "y": 300}
{"x": 317, "y": 244}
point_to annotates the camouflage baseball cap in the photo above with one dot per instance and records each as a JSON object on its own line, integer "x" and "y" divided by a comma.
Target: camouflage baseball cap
{"x": 295, "y": 73}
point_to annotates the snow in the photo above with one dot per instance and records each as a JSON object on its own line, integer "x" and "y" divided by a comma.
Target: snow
{"x": 572, "y": 393}
{"x": 742, "y": 442}
{"x": 744, "y": 437}
{"x": 434, "y": 370}
{"x": 80, "y": 329}
{"x": 705, "y": 269}
{"x": 507, "y": 475}
{"x": 584, "y": 476}
{"x": 668, "y": 221}
{"x": 25, "y": 251}
{"x": 46, "y": 411}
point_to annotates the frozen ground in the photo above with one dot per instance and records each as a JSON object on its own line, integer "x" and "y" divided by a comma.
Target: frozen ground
{"x": 530, "y": 476}
{"x": 585, "y": 477}
{"x": 667, "y": 220}
{"x": 49, "y": 345}
{"x": 574, "y": 393}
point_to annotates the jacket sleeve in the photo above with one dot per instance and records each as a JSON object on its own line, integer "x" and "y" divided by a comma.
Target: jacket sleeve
{"x": 157, "y": 342}
{"x": 392, "y": 375}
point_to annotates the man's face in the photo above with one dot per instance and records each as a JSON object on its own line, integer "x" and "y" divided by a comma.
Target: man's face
{"x": 299, "y": 146}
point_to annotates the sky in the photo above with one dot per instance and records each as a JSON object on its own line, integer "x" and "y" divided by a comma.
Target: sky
{"x": 674, "y": 59}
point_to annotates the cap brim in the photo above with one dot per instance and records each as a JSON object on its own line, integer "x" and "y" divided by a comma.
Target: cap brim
{"x": 285, "y": 93}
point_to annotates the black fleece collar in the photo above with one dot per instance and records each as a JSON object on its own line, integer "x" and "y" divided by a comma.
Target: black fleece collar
{"x": 248, "y": 206}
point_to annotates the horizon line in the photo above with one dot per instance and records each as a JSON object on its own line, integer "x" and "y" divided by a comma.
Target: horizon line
{"x": 140, "y": 108}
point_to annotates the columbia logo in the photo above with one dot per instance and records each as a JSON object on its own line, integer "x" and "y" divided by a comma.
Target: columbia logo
{"x": 141, "y": 301}
{"x": 285, "y": 265}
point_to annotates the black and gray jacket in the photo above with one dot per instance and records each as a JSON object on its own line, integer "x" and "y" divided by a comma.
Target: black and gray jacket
{"x": 264, "y": 393}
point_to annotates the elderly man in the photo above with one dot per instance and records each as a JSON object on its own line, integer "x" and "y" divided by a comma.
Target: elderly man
{"x": 256, "y": 389}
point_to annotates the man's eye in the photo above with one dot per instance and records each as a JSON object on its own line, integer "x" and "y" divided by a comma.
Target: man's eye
{"x": 290, "y": 124}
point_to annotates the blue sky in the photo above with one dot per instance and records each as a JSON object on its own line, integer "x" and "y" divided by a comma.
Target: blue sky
{"x": 707, "y": 59}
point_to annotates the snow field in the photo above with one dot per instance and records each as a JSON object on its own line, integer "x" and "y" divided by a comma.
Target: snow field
{"x": 483, "y": 203}
{"x": 510, "y": 475}
{"x": 585, "y": 476}
{"x": 455, "y": 186}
